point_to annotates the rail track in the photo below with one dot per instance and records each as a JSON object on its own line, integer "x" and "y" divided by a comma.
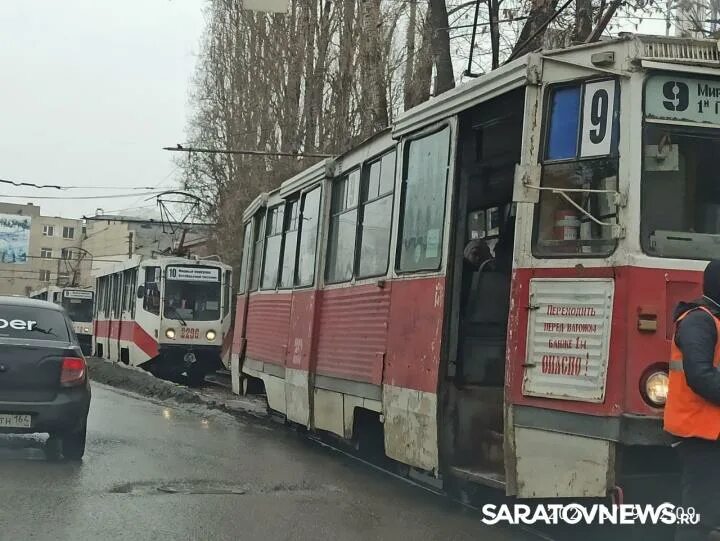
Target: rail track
{"x": 484, "y": 495}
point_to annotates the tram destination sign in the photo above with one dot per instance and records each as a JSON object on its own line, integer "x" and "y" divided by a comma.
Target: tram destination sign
{"x": 687, "y": 99}
{"x": 194, "y": 274}
{"x": 568, "y": 338}
{"x": 76, "y": 294}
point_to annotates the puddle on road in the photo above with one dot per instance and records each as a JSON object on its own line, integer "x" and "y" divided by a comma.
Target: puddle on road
{"x": 204, "y": 487}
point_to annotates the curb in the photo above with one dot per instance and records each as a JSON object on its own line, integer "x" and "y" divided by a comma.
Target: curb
{"x": 143, "y": 383}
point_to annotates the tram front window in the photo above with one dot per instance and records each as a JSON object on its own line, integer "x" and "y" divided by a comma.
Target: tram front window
{"x": 192, "y": 300}
{"x": 78, "y": 309}
{"x": 680, "y": 214}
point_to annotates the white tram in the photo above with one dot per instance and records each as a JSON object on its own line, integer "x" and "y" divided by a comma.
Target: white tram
{"x": 78, "y": 303}
{"x": 169, "y": 315}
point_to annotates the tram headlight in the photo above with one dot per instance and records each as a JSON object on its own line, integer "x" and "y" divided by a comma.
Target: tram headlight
{"x": 210, "y": 335}
{"x": 170, "y": 333}
{"x": 656, "y": 388}
{"x": 86, "y": 330}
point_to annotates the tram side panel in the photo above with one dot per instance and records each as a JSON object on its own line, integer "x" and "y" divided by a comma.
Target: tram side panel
{"x": 267, "y": 330}
{"x": 352, "y": 344}
{"x": 302, "y": 344}
{"x": 410, "y": 375}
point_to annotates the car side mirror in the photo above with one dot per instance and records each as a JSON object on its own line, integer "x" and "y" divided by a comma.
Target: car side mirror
{"x": 141, "y": 292}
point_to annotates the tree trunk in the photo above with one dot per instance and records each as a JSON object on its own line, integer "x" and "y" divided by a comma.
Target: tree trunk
{"x": 494, "y": 12}
{"x": 441, "y": 46}
{"x": 408, "y": 89}
{"x": 583, "y": 20}
{"x": 422, "y": 79}
{"x": 540, "y": 12}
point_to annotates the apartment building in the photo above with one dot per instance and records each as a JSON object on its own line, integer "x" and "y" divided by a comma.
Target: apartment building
{"x": 37, "y": 250}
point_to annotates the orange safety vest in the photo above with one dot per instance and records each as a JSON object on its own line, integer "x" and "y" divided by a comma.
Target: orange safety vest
{"x": 687, "y": 414}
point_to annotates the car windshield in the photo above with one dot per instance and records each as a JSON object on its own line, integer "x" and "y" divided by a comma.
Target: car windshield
{"x": 78, "y": 309}
{"x": 31, "y": 322}
{"x": 196, "y": 298}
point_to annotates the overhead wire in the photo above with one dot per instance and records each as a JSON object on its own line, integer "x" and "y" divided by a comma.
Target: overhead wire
{"x": 108, "y": 196}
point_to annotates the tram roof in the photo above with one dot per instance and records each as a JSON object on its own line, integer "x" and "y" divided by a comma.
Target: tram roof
{"x": 137, "y": 260}
{"x": 646, "y": 50}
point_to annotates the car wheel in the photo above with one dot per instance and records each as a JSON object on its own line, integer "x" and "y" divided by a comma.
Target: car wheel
{"x": 73, "y": 444}
{"x": 53, "y": 448}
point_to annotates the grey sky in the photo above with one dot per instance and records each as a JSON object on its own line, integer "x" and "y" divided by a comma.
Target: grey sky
{"x": 91, "y": 91}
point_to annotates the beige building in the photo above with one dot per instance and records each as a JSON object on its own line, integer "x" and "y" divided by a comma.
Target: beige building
{"x": 37, "y": 250}
{"x": 110, "y": 239}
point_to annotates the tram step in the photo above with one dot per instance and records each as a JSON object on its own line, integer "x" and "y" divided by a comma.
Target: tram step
{"x": 482, "y": 477}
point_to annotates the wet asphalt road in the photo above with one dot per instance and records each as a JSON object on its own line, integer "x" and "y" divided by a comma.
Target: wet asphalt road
{"x": 158, "y": 472}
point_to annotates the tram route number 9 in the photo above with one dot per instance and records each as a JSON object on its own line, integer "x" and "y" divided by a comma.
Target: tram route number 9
{"x": 597, "y": 118}
{"x": 189, "y": 333}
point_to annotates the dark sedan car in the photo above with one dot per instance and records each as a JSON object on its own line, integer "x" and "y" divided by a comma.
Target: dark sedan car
{"x": 43, "y": 376}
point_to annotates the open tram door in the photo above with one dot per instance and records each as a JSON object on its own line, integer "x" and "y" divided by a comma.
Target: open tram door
{"x": 488, "y": 151}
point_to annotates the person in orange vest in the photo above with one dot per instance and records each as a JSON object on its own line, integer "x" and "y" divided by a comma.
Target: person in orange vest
{"x": 692, "y": 409}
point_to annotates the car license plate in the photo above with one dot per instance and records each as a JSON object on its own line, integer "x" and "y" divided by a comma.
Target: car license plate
{"x": 15, "y": 421}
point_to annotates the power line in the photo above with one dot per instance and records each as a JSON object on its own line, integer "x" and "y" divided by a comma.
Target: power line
{"x": 180, "y": 148}
{"x": 108, "y": 196}
{"x": 21, "y": 183}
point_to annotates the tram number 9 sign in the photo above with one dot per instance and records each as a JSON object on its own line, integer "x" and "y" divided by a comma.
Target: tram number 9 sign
{"x": 582, "y": 120}
{"x": 689, "y": 99}
{"x": 598, "y": 109}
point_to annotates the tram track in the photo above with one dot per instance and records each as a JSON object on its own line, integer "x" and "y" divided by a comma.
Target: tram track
{"x": 219, "y": 383}
{"x": 422, "y": 486}
{"x": 488, "y": 494}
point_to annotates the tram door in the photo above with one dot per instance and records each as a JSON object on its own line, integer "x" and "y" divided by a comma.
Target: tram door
{"x": 489, "y": 147}
{"x": 115, "y": 317}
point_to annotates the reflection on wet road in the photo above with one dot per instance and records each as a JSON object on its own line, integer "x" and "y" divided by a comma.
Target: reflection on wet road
{"x": 157, "y": 472}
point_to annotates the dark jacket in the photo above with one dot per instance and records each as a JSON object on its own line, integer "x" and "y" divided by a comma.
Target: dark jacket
{"x": 696, "y": 336}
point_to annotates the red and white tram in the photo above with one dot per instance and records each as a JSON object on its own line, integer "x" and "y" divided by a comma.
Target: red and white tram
{"x": 589, "y": 173}
{"x": 170, "y": 315}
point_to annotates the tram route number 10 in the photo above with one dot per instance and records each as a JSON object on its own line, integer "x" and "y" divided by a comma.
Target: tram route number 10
{"x": 597, "y": 118}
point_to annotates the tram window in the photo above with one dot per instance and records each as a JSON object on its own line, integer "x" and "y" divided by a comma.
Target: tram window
{"x": 127, "y": 290}
{"x": 151, "y": 301}
{"x": 562, "y": 230}
{"x": 343, "y": 228}
{"x": 290, "y": 237}
{"x": 425, "y": 171}
{"x": 680, "y": 196}
{"x": 309, "y": 219}
{"x": 376, "y": 216}
{"x": 273, "y": 245}
{"x": 227, "y": 288}
{"x": 246, "y": 251}
{"x": 580, "y": 158}
{"x": 133, "y": 289}
{"x": 259, "y": 229}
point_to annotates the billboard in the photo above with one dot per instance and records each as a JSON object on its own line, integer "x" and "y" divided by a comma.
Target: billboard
{"x": 14, "y": 238}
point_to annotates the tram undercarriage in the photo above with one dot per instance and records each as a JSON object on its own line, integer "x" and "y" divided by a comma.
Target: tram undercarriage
{"x": 183, "y": 364}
